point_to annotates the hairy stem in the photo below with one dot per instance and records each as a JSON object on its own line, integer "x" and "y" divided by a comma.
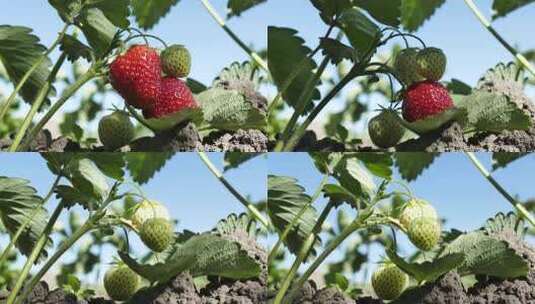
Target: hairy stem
{"x": 300, "y": 131}
{"x": 233, "y": 190}
{"x": 68, "y": 93}
{"x": 519, "y": 207}
{"x": 43, "y": 93}
{"x": 295, "y": 220}
{"x": 28, "y": 221}
{"x": 304, "y": 252}
{"x": 211, "y": 10}
{"x": 18, "y": 87}
{"x": 39, "y": 245}
{"x": 521, "y": 58}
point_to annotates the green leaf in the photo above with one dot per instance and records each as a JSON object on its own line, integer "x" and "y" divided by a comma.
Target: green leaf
{"x": 19, "y": 50}
{"x": 57, "y": 161}
{"x": 285, "y": 54}
{"x": 336, "y": 50}
{"x": 379, "y": 164}
{"x": 363, "y": 34}
{"x": 72, "y": 196}
{"x": 493, "y": 112}
{"x": 143, "y": 166}
{"x": 387, "y": 12}
{"x": 487, "y": 256}
{"x": 74, "y": 48}
{"x": 338, "y": 194}
{"x": 236, "y": 7}
{"x": 87, "y": 178}
{"x": 230, "y": 110}
{"x": 412, "y": 164}
{"x": 172, "y": 120}
{"x": 415, "y": 12}
{"x": 331, "y": 8}
{"x": 432, "y": 123}
{"x": 19, "y": 203}
{"x": 98, "y": 30}
{"x": 117, "y": 11}
{"x": 503, "y": 7}
{"x": 149, "y": 13}
{"x": 244, "y": 77}
{"x": 502, "y": 159}
{"x": 455, "y": 86}
{"x": 111, "y": 164}
{"x": 67, "y": 9}
{"x": 341, "y": 281}
{"x": 286, "y": 199}
{"x": 353, "y": 176}
{"x": 427, "y": 271}
{"x": 235, "y": 159}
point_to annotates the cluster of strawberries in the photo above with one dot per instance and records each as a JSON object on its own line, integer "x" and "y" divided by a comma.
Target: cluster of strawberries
{"x": 149, "y": 82}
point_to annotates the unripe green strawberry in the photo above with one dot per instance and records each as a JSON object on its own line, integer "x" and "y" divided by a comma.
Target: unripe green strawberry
{"x": 385, "y": 129}
{"x": 389, "y": 281}
{"x": 156, "y": 233}
{"x": 424, "y": 233}
{"x": 115, "y": 130}
{"x": 406, "y": 66}
{"x": 432, "y": 63}
{"x": 148, "y": 209}
{"x": 416, "y": 208}
{"x": 176, "y": 61}
{"x": 121, "y": 282}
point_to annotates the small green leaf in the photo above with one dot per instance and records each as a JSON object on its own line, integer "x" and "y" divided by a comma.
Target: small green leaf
{"x": 503, "y": 7}
{"x": 412, "y": 164}
{"x": 235, "y": 159}
{"x": 502, "y": 159}
{"x": 98, "y": 30}
{"x": 87, "y": 178}
{"x": 363, "y": 34}
{"x": 149, "y": 13}
{"x": 142, "y": 166}
{"x": 415, "y": 12}
{"x": 236, "y": 7}
{"x": 387, "y": 12}
{"x": 117, "y": 11}
{"x": 432, "y": 123}
{"x": 336, "y": 50}
{"x": 74, "y": 48}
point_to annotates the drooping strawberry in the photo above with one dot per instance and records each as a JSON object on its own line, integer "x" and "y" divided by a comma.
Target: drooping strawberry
{"x": 424, "y": 99}
{"x": 136, "y": 75}
{"x": 174, "y": 96}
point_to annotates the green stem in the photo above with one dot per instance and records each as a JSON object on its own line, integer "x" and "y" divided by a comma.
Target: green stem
{"x": 68, "y": 93}
{"x": 303, "y": 253}
{"x": 519, "y": 207}
{"x": 300, "y": 131}
{"x": 233, "y": 190}
{"x": 211, "y": 10}
{"x": 39, "y": 245}
{"x": 11, "y": 98}
{"x": 523, "y": 60}
{"x": 293, "y": 223}
{"x": 28, "y": 221}
{"x": 355, "y": 225}
{"x": 302, "y": 103}
{"x": 43, "y": 93}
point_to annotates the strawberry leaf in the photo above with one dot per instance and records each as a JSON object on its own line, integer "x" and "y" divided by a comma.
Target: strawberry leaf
{"x": 286, "y": 200}
{"x": 387, "y": 12}
{"x": 336, "y": 50}
{"x": 285, "y": 55}
{"x": 411, "y": 165}
{"x": 427, "y": 271}
{"x": 143, "y": 166}
{"x": 230, "y": 110}
{"x": 331, "y": 8}
{"x": 98, "y": 30}
{"x": 432, "y": 123}
{"x": 503, "y": 7}
{"x": 19, "y": 50}
{"x": 415, "y": 12}
{"x": 20, "y": 203}
{"x": 353, "y": 175}
{"x": 362, "y": 33}
{"x": 236, "y": 7}
{"x": 149, "y": 13}
{"x": 235, "y": 159}
{"x": 502, "y": 159}
{"x": 74, "y": 48}
{"x": 117, "y": 11}
{"x": 172, "y": 120}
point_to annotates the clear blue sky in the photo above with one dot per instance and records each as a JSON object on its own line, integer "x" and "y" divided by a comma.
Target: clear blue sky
{"x": 191, "y": 193}
{"x": 453, "y": 186}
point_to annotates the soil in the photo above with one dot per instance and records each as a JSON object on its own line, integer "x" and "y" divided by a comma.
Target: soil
{"x": 182, "y": 139}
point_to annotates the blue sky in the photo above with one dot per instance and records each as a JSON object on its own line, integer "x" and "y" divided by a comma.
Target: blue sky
{"x": 191, "y": 193}
{"x": 452, "y": 184}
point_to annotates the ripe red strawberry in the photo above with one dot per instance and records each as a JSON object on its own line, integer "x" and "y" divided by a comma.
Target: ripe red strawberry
{"x": 174, "y": 96}
{"x": 136, "y": 75}
{"x": 424, "y": 99}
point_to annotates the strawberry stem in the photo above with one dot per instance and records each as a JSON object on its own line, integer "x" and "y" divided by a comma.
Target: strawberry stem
{"x": 211, "y": 10}
{"x": 519, "y": 207}
{"x": 521, "y": 58}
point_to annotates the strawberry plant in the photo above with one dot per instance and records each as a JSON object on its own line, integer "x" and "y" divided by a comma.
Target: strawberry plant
{"x": 101, "y": 196}
{"x": 108, "y": 46}
{"x": 375, "y": 49}
{"x": 361, "y": 211}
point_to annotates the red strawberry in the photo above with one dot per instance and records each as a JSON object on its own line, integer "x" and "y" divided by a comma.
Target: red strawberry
{"x": 424, "y": 99}
{"x": 174, "y": 96}
{"x": 136, "y": 75}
